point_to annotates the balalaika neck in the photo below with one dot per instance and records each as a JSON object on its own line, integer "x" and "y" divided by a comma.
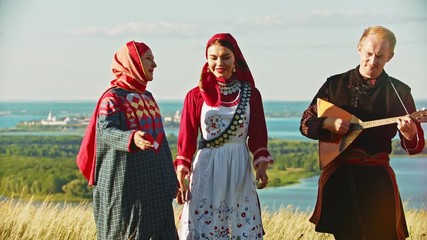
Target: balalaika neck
{"x": 380, "y": 122}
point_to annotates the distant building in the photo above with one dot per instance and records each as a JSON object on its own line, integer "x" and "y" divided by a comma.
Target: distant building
{"x": 176, "y": 118}
{"x": 172, "y": 122}
{"x": 51, "y": 121}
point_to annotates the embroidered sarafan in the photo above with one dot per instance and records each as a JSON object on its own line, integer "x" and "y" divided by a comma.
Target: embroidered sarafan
{"x": 230, "y": 122}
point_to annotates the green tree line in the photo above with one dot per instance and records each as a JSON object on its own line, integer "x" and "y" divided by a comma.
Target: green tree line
{"x": 41, "y": 165}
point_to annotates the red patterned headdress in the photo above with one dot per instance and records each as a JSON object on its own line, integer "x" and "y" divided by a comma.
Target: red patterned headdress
{"x": 127, "y": 67}
{"x": 208, "y": 82}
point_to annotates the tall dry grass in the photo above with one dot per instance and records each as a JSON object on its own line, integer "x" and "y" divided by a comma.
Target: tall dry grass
{"x": 46, "y": 220}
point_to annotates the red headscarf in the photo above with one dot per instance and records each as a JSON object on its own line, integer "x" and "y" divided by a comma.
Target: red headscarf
{"x": 127, "y": 67}
{"x": 208, "y": 82}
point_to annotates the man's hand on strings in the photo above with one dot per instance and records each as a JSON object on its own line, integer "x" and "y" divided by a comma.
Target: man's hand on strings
{"x": 407, "y": 128}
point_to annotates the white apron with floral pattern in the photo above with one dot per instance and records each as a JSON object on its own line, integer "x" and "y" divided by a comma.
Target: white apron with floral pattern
{"x": 224, "y": 202}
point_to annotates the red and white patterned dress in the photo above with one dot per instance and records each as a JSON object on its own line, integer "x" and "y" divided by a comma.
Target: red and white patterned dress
{"x": 224, "y": 202}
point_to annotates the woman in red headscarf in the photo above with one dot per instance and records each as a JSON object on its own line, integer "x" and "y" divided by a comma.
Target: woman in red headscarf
{"x": 126, "y": 156}
{"x": 220, "y": 201}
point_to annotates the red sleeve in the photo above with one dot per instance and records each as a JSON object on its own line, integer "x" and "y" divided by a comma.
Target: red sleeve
{"x": 417, "y": 146}
{"x": 188, "y": 130}
{"x": 311, "y": 125}
{"x": 257, "y": 133}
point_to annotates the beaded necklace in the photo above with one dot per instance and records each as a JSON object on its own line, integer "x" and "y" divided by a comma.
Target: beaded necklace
{"x": 229, "y": 88}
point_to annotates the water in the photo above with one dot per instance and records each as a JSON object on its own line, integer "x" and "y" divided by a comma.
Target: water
{"x": 411, "y": 180}
{"x": 12, "y": 113}
{"x": 285, "y": 128}
{"x": 282, "y": 119}
{"x": 301, "y": 196}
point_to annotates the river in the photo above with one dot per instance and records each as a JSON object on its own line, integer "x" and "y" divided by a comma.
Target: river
{"x": 410, "y": 174}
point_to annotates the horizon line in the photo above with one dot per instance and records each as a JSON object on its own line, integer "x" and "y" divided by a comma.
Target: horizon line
{"x": 157, "y": 99}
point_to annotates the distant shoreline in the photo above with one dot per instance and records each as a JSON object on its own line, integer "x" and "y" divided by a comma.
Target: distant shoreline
{"x": 157, "y": 100}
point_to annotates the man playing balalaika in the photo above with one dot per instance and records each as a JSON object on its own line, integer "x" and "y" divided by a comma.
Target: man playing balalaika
{"x": 358, "y": 196}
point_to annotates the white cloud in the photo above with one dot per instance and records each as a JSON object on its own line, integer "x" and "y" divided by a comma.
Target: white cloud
{"x": 262, "y": 21}
{"x": 314, "y": 19}
{"x": 155, "y": 28}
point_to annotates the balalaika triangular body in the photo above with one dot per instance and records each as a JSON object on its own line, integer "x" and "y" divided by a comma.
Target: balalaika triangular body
{"x": 329, "y": 150}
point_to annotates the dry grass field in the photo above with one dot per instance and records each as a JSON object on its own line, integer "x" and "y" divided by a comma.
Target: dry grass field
{"x": 47, "y": 220}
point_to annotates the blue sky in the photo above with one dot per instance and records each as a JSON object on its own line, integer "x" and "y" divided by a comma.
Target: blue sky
{"x": 62, "y": 50}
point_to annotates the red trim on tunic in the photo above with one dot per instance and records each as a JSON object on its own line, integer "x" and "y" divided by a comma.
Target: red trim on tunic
{"x": 86, "y": 157}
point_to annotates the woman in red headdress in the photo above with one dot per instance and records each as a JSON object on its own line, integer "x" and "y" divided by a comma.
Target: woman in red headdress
{"x": 220, "y": 201}
{"x": 126, "y": 157}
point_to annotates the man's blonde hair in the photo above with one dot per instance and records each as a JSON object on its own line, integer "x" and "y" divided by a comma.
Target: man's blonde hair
{"x": 382, "y": 33}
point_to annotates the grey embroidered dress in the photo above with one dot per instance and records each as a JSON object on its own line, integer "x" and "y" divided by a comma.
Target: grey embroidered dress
{"x": 135, "y": 188}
